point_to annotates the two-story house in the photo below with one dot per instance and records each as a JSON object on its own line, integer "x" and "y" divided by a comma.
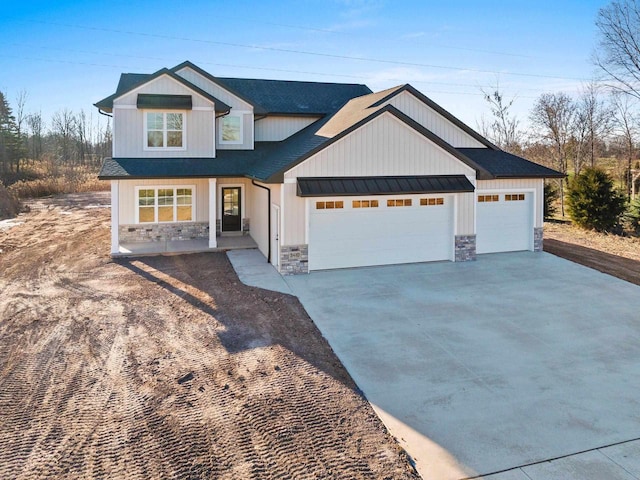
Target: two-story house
{"x": 320, "y": 175}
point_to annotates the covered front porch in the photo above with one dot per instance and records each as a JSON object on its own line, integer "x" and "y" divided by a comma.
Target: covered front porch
{"x": 176, "y": 247}
{"x": 174, "y": 216}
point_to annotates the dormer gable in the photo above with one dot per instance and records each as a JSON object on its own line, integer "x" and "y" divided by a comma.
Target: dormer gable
{"x": 163, "y": 82}
{"x": 432, "y": 116}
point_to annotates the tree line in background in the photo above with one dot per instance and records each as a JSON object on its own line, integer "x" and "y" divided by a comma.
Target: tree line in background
{"x": 592, "y": 138}
{"x": 69, "y": 145}
{"x": 599, "y": 130}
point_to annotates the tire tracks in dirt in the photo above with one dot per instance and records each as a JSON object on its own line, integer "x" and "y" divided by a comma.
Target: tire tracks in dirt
{"x": 166, "y": 368}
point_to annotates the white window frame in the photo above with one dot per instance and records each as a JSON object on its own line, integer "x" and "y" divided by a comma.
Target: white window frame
{"x": 239, "y": 115}
{"x": 175, "y": 204}
{"x": 164, "y": 113}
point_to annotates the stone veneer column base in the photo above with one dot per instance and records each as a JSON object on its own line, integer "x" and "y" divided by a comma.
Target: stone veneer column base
{"x": 538, "y": 239}
{"x": 465, "y": 248}
{"x": 294, "y": 259}
{"x": 160, "y": 232}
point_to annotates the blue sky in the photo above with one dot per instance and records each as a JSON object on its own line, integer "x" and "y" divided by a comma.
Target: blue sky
{"x": 69, "y": 54}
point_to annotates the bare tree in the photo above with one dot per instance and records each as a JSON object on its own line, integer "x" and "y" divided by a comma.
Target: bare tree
{"x": 553, "y": 117}
{"x": 502, "y": 129}
{"x": 62, "y": 127}
{"x": 618, "y": 53}
{"x": 36, "y": 131}
{"x": 626, "y": 124}
{"x": 599, "y": 117}
{"x": 20, "y": 115}
{"x": 593, "y": 121}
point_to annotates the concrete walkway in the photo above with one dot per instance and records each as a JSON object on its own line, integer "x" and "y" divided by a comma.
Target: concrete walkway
{"x": 497, "y": 365}
{"x": 254, "y": 270}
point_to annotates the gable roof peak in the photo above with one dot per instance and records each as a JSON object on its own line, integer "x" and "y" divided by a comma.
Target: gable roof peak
{"x": 131, "y": 81}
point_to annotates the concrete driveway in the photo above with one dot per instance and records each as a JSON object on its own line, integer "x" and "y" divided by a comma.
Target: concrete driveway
{"x": 493, "y": 366}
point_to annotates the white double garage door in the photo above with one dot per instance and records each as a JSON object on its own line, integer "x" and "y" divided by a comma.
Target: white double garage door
{"x": 383, "y": 230}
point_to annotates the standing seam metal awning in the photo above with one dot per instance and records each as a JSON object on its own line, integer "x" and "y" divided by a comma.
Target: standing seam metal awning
{"x": 148, "y": 100}
{"x": 411, "y": 184}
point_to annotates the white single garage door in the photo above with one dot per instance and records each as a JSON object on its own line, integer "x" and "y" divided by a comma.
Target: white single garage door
{"x": 504, "y": 222}
{"x": 361, "y": 231}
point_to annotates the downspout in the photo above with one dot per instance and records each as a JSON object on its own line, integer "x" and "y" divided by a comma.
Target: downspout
{"x": 253, "y": 182}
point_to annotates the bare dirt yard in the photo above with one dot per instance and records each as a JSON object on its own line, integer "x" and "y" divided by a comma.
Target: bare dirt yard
{"x": 612, "y": 254}
{"x": 164, "y": 367}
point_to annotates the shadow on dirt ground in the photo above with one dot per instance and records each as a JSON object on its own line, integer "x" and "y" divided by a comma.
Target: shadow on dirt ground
{"x": 165, "y": 367}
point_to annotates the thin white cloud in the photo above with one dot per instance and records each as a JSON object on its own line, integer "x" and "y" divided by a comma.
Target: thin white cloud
{"x": 413, "y": 35}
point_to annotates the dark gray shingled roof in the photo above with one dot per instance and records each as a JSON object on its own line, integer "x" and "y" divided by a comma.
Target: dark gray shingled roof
{"x": 228, "y": 163}
{"x": 339, "y": 186}
{"x": 295, "y": 98}
{"x": 270, "y": 160}
{"x": 505, "y": 165}
{"x": 285, "y": 96}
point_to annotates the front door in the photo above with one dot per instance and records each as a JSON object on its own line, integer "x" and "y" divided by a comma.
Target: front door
{"x": 231, "y": 210}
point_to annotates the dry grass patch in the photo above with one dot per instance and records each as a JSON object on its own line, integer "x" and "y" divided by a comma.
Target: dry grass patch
{"x": 9, "y": 203}
{"x": 628, "y": 247}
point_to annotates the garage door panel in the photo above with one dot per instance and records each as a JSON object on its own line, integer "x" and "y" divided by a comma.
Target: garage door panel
{"x": 504, "y": 226}
{"x": 353, "y": 237}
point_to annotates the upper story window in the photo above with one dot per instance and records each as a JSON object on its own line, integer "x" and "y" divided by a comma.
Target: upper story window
{"x": 231, "y": 129}
{"x": 164, "y": 130}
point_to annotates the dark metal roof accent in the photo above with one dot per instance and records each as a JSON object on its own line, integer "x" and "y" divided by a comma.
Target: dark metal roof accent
{"x": 147, "y": 100}
{"x": 441, "y": 111}
{"x": 394, "y": 185}
{"x": 506, "y": 165}
{"x": 130, "y": 81}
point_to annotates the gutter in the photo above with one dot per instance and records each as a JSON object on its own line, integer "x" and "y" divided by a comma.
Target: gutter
{"x": 253, "y": 182}
{"x": 104, "y": 113}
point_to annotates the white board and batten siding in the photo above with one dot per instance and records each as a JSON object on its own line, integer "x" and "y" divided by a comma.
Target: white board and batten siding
{"x": 507, "y": 225}
{"x": 278, "y": 128}
{"x": 214, "y": 89}
{"x": 258, "y": 201}
{"x": 237, "y": 105}
{"x": 128, "y": 123}
{"x": 384, "y": 146}
{"x": 430, "y": 119}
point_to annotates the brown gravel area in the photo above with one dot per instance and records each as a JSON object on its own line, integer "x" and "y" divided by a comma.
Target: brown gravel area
{"x": 611, "y": 254}
{"x": 165, "y": 367}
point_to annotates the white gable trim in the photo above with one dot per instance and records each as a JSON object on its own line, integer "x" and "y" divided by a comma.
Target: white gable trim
{"x": 458, "y": 136}
{"x": 150, "y": 82}
{"x": 216, "y": 85}
{"x": 292, "y": 172}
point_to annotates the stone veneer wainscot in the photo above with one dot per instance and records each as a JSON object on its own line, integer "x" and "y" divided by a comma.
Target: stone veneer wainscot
{"x": 294, "y": 259}
{"x": 465, "y": 248}
{"x": 538, "y": 237}
{"x": 160, "y": 232}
